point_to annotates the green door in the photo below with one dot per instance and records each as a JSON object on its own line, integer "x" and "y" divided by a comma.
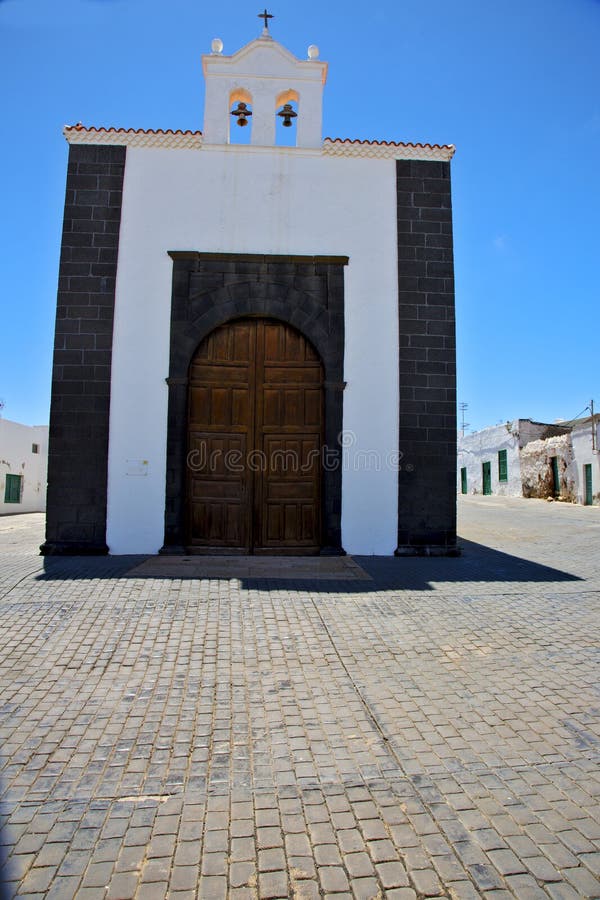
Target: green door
{"x": 463, "y": 480}
{"x": 487, "y": 477}
{"x": 12, "y": 489}
{"x": 555, "y": 476}
{"x": 587, "y": 478}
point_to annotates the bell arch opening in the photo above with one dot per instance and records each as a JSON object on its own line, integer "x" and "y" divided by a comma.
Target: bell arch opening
{"x": 287, "y": 106}
{"x": 240, "y": 116}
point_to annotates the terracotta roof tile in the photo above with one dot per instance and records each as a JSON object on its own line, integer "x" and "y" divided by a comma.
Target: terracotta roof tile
{"x": 134, "y": 137}
{"x": 387, "y": 149}
{"x": 389, "y": 143}
{"x": 111, "y": 130}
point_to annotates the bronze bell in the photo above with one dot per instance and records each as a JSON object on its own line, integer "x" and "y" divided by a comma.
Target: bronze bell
{"x": 242, "y": 113}
{"x": 287, "y": 114}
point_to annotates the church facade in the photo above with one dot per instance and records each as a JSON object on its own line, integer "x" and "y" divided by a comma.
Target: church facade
{"x": 254, "y": 346}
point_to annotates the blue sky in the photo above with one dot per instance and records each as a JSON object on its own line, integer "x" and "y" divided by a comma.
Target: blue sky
{"x": 516, "y": 86}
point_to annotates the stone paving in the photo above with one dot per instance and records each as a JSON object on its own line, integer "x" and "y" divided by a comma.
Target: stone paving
{"x": 428, "y": 728}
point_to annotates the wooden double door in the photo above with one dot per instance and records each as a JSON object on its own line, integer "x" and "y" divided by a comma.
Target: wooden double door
{"x": 255, "y": 433}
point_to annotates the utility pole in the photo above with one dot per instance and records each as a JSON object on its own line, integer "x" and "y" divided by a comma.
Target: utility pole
{"x": 463, "y": 425}
{"x": 594, "y": 447}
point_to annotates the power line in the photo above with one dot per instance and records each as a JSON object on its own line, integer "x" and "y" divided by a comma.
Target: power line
{"x": 586, "y": 409}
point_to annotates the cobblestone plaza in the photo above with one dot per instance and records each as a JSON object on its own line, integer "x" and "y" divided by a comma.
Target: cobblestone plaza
{"x": 357, "y": 728}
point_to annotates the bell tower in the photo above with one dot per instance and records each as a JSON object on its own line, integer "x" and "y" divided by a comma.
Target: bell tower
{"x": 257, "y": 84}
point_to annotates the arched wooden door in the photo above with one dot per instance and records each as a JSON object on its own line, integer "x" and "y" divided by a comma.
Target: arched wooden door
{"x": 255, "y": 432}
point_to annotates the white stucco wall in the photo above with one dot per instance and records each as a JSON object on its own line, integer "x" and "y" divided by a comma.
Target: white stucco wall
{"x": 583, "y": 453}
{"x": 483, "y": 446}
{"x": 17, "y": 458}
{"x": 254, "y": 200}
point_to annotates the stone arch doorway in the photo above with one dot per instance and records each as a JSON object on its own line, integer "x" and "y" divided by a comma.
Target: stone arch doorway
{"x": 254, "y": 441}
{"x": 211, "y": 289}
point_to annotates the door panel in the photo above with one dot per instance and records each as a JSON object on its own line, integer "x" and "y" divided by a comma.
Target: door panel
{"x": 255, "y": 397}
{"x": 555, "y": 477}
{"x": 289, "y": 492}
{"x": 487, "y": 477}
{"x": 587, "y": 477}
{"x": 220, "y": 432}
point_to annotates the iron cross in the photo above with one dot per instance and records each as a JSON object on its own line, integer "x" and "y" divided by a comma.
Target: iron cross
{"x": 266, "y": 16}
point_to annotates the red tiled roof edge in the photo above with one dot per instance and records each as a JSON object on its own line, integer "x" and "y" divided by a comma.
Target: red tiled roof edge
{"x": 338, "y": 140}
{"x": 111, "y": 130}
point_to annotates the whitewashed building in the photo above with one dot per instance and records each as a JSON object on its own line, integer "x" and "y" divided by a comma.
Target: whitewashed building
{"x": 585, "y": 468}
{"x": 23, "y": 467}
{"x": 523, "y": 458}
{"x": 255, "y": 340}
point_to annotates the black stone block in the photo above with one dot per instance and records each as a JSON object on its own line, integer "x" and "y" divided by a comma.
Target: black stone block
{"x": 83, "y": 254}
{"x": 106, "y": 270}
{"x": 439, "y": 269}
{"x": 408, "y": 366}
{"x": 75, "y": 211}
{"x": 439, "y": 240}
{"x": 91, "y": 198}
{"x": 416, "y": 267}
{"x": 408, "y": 311}
{"x": 412, "y": 298}
{"x": 96, "y": 389}
{"x": 102, "y": 239}
{"x": 439, "y": 435}
{"x": 409, "y": 185}
{"x": 100, "y": 324}
{"x": 406, "y": 252}
{"x": 81, "y": 225}
{"x": 109, "y": 182}
{"x": 407, "y": 213}
{"x": 430, "y": 200}
{"x": 102, "y": 341}
{"x": 82, "y": 312}
{"x": 68, "y": 358}
{"x": 438, "y": 327}
{"x": 446, "y": 298}
{"x": 426, "y": 169}
{"x": 106, "y": 214}
{"x": 434, "y": 214}
{"x": 436, "y": 185}
{"x": 416, "y": 353}
{"x": 426, "y": 341}
{"x": 432, "y": 313}
{"x": 426, "y": 227}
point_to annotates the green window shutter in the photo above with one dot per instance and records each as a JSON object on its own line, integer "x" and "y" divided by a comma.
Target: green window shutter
{"x": 463, "y": 480}
{"x": 12, "y": 490}
{"x": 502, "y": 465}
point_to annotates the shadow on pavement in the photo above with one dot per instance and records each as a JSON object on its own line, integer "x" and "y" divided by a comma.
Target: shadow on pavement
{"x": 478, "y": 564}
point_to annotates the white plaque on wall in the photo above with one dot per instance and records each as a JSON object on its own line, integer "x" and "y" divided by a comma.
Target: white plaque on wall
{"x": 136, "y": 466}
